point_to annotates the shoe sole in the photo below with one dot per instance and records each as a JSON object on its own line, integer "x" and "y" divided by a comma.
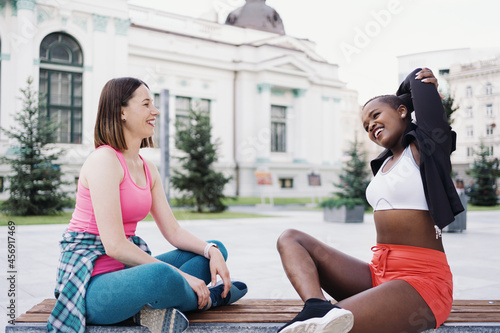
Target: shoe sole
{"x": 335, "y": 321}
{"x": 163, "y": 320}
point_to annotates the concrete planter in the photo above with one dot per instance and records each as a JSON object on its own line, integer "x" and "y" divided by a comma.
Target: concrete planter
{"x": 342, "y": 214}
{"x": 460, "y": 223}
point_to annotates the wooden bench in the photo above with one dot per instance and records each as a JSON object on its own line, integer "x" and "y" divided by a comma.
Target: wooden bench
{"x": 264, "y": 315}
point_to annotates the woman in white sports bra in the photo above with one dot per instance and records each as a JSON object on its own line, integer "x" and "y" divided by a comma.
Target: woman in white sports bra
{"x": 407, "y": 287}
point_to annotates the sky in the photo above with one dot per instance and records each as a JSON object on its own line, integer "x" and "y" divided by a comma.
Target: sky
{"x": 365, "y": 37}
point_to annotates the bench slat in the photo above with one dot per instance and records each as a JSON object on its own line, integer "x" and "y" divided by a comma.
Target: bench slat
{"x": 224, "y": 317}
{"x": 33, "y": 318}
{"x": 474, "y": 318}
{"x": 238, "y": 308}
{"x": 474, "y": 302}
{"x": 279, "y": 311}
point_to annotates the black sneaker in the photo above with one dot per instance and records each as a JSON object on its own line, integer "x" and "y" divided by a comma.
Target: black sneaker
{"x": 320, "y": 316}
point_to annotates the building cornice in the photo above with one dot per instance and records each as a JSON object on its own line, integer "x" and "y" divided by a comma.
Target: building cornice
{"x": 476, "y": 69}
{"x": 251, "y": 44}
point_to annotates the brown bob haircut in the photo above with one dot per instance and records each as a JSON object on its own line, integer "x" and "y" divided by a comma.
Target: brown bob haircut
{"x": 109, "y": 125}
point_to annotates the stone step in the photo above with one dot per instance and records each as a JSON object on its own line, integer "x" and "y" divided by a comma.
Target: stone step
{"x": 238, "y": 328}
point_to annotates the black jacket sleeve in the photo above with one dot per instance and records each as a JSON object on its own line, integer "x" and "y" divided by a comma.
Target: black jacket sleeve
{"x": 426, "y": 102}
{"x": 435, "y": 141}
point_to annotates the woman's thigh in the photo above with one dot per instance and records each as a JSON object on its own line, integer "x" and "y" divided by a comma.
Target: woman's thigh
{"x": 392, "y": 307}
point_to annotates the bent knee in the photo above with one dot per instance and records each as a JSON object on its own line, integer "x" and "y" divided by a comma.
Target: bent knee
{"x": 288, "y": 236}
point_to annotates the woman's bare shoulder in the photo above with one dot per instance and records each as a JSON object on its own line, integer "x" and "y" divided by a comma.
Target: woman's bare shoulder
{"x": 101, "y": 161}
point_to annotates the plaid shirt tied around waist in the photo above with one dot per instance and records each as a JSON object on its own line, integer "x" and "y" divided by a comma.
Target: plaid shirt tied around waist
{"x": 79, "y": 251}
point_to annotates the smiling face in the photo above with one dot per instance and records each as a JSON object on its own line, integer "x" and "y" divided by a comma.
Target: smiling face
{"x": 384, "y": 124}
{"x": 139, "y": 114}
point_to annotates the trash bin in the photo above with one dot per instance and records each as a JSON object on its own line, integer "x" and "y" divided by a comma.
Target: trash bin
{"x": 460, "y": 223}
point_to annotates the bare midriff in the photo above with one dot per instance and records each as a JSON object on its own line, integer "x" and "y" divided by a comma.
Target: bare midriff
{"x": 407, "y": 227}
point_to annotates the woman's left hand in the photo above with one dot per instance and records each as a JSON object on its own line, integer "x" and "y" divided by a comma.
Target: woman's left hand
{"x": 218, "y": 267}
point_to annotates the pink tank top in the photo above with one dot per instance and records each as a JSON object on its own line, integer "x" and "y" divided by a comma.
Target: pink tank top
{"x": 135, "y": 205}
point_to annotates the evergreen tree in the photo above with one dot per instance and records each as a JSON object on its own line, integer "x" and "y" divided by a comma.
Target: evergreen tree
{"x": 354, "y": 177}
{"x": 36, "y": 179}
{"x": 200, "y": 185}
{"x": 448, "y": 108}
{"x": 485, "y": 171}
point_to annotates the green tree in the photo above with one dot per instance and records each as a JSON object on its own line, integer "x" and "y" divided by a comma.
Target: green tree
{"x": 36, "y": 179}
{"x": 485, "y": 171}
{"x": 449, "y": 108}
{"x": 354, "y": 179}
{"x": 355, "y": 173}
{"x": 200, "y": 185}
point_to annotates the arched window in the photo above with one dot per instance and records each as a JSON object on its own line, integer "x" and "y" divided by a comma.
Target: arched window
{"x": 61, "y": 69}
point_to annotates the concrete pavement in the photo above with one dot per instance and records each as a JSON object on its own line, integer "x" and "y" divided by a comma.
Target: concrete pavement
{"x": 474, "y": 255}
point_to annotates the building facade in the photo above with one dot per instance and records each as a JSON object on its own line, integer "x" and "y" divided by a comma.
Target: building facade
{"x": 275, "y": 104}
{"x": 472, "y": 77}
{"x": 476, "y": 90}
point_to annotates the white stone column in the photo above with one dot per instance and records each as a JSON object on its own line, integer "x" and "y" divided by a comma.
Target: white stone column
{"x": 328, "y": 130}
{"x": 263, "y": 124}
{"x": 301, "y": 126}
{"x": 23, "y": 48}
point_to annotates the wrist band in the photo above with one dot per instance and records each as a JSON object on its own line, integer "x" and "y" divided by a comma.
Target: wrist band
{"x": 207, "y": 248}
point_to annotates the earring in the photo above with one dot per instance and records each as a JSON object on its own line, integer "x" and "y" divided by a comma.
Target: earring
{"x": 402, "y": 116}
{"x": 123, "y": 119}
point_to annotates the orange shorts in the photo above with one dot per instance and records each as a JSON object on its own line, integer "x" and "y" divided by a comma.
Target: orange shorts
{"x": 425, "y": 270}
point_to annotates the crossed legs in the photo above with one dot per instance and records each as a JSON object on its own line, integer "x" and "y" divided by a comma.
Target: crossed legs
{"x": 312, "y": 266}
{"x": 116, "y": 296}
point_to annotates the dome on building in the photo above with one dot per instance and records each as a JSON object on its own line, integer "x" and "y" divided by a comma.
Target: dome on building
{"x": 255, "y": 14}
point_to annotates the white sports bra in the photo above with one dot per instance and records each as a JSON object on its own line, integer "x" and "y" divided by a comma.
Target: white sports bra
{"x": 399, "y": 188}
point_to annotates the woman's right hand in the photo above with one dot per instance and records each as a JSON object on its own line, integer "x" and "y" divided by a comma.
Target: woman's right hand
{"x": 200, "y": 289}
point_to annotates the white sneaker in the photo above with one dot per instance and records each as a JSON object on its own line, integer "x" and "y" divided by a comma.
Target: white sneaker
{"x": 336, "y": 320}
{"x": 162, "y": 320}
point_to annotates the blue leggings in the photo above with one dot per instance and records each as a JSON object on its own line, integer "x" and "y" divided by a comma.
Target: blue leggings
{"x": 116, "y": 296}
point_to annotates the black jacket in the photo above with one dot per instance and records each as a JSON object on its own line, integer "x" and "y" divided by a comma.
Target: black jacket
{"x": 435, "y": 141}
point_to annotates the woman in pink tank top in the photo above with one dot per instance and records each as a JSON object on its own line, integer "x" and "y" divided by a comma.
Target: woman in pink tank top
{"x": 118, "y": 188}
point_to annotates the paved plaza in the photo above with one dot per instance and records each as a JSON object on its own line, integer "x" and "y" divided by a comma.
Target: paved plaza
{"x": 474, "y": 255}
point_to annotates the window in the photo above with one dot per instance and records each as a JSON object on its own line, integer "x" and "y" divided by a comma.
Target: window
{"x": 468, "y": 91}
{"x": 470, "y": 131}
{"x": 286, "y": 182}
{"x": 489, "y": 89}
{"x": 1, "y": 184}
{"x": 489, "y": 129}
{"x": 61, "y": 68}
{"x": 470, "y": 151}
{"x": 184, "y": 104}
{"x": 278, "y": 128}
{"x": 489, "y": 150}
{"x": 468, "y": 112}
{"x": 489, "y": 110}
